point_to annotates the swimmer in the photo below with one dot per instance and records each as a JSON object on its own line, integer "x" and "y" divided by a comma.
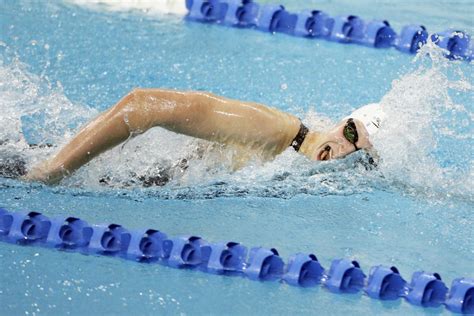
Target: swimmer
{"x": 246, "y": 125}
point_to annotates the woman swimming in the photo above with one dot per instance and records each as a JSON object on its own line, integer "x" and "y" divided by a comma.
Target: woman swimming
{"x": 245, "y": 125}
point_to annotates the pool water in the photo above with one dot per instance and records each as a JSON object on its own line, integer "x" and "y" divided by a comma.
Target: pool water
{"x": 61, "y": 63}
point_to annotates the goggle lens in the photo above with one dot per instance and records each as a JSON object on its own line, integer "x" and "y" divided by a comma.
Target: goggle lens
{"x": 350, "y": 132}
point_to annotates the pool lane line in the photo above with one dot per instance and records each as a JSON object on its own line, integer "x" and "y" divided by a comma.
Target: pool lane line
{"x": 316, "y": 24}
{"x": 232, "y": 258}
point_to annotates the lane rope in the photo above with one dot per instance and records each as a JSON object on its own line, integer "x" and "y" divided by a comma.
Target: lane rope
{"x": 318, "y": 24}
{"x": 232, "y": 258}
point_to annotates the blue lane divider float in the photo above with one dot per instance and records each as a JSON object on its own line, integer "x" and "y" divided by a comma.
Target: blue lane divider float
{"x": 345, "y": 276}
{"x": 303, "y": 270}
{"x": 232, "y": 258}
{"x": 411, "y": 38}
{"x": 318, "y": 24}
{"x": 69, "y": 233}
{"x": 385, "y": 283}
{"x": 183, "y": 251}
{"x": 146, "y": 245}
{"x": 461, "y": 296}
{"x": 264, "y": 264}
{"x": 347, "y": 29}
{"x": 313, "y": 24}
{"x": 224, "y": 258}
{"x": 427, "y": 290}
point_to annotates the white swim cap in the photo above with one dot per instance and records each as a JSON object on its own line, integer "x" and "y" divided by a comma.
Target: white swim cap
{"x": 371, "y": 115}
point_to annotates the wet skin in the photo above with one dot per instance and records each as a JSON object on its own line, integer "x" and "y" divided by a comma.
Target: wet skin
{"x": 246, "y": 125}
{"x": 333, "y": 144}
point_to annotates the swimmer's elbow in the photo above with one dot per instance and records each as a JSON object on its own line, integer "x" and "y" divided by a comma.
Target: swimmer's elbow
{"x": 130, "y": 112}
{"x": 145, "y": 108}
{"x": 129, "y": 101}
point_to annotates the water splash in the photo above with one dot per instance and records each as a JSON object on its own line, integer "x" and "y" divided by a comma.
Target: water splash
{"x": 426, "y": 142}
{"x": 421, "y": 161}
{"x": 145, "y": 6}
{"x": 34, "y": 110}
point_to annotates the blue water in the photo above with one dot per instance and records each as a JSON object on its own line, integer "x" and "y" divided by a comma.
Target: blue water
{"x": 60, "y": 64}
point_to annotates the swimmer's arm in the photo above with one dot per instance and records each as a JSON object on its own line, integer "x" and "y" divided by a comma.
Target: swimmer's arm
{"x": 196, "y": 114}
{"x": 214, "y": 118}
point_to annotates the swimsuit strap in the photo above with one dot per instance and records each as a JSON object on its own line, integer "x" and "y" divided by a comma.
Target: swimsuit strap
{"x": 299, "y": 138}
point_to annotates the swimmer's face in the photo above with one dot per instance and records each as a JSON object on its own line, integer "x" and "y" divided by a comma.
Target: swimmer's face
{"x": 344, "y": 139}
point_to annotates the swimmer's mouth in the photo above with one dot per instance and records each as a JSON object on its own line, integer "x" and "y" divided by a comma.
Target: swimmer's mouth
{"x": 325, "y": 154}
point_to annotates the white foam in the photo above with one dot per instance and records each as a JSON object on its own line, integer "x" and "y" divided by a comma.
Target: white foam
{"x": 176, "y": 7}
{"x": 417, "y": 102}
{"x": 32, "y": 105}
{"x": 418, "y": 111}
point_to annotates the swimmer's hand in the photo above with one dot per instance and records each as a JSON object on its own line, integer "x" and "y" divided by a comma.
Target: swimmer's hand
{"x": 46, "y": 173}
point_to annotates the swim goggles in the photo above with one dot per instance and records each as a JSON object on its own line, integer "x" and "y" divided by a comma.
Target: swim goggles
{"x": 350, "y": 133}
